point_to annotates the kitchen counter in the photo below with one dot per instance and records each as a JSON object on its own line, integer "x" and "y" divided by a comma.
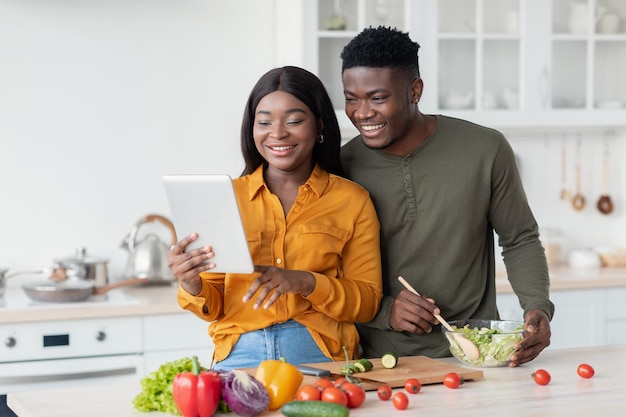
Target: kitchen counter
{"x": 568, "y": 278}
{"x": 122, "y": 302}
{"x": 502, "y": 391}
{"x": 151, "y": 300}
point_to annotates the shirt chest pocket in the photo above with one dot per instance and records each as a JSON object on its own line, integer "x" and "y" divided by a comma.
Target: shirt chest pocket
{"x": 321, "y": 247}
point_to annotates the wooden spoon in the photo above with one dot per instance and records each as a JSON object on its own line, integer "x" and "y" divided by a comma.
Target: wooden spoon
{"x": 466, "y": 345}
{"x": 578, "y": 201}
{"x": 605, "y": 204}
{"x": 565, "y": 193}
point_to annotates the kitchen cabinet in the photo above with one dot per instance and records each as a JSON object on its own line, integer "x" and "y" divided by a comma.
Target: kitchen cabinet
{"x": 616, "y": 316}
{"x": 503, "y": 63}
{"x": 582, "y": 318}
{"x": 168, "y": 337}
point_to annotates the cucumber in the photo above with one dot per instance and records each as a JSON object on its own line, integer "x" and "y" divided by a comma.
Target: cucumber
{"x": 359, "y": 367}
{"x": 389, "y": 360}
{"x": 365, "y": 363}
{"x": 314, "y": 409}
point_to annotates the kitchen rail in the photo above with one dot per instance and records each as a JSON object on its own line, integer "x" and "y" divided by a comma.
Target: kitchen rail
{"x": 502, "y": 391}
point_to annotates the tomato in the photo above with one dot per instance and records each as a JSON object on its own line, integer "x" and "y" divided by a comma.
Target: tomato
{"x": 384, "y": 392}
{"x": 324, "y": 383}
{"x": 308, "y": 392}
{"x": 452, "y": 380}
{"x": 355, "y": 394}
{"x": 335, "y": 395}
{"x": 541, "y": 377}
{"x": 339, "y": 381}
{"x": 585, "y": 370}
{"x": 412, "y": 385}
{"x": 400, "y": 400}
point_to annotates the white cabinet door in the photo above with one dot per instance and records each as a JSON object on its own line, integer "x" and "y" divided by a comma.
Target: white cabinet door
{"x": 172, "y": 336}
{"x": 509, "y": 308}
{"x": 616, "y": 316}
{"x": 579, "y": 318}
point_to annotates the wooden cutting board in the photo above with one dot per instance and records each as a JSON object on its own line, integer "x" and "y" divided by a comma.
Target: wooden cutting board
{"x": 425, "y": 369}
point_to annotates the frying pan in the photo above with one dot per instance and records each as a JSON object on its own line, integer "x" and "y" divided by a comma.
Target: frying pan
{"x": 72, "y": 290}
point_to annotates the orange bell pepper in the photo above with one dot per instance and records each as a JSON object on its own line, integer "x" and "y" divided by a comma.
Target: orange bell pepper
{"x": 281, "y": 379}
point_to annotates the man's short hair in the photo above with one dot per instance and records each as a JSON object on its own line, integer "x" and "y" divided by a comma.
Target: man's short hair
{"x": 382, "y": 47}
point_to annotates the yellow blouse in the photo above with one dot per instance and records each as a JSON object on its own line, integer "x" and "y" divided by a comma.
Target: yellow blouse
{"x": 333, "y": 232}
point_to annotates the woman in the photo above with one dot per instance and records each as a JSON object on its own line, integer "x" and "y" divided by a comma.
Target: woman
{"x": 313, "y": 236}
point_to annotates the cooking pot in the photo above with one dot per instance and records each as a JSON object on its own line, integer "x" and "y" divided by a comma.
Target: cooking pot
{"x": 148, "y": 256}
{"x": 83, "y": 267}
{"x": 72, "y": 290}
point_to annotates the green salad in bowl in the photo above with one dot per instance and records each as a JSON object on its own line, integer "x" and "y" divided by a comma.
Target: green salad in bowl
{"x": 495, "y": 340}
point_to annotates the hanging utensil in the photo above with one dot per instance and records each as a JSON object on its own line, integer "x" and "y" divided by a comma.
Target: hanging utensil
{"x": 578, "y": 202}
{"x": 605, "y": 204}
{"x": 467, "y": 346}
{"x": 566, "y": 195}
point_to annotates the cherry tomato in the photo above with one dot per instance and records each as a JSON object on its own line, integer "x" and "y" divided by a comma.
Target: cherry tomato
{"x": 355, "y": 394}
{"x": 452, "y": 380}
{"x": 308, "y": 392}
{"x": 335, "y": 395}
{"x": 585, "y": 370}
{"x": 412, "y": 385}
{"x": 400, "y": 400}
{"x": 339, "y": 381}
{"x": 541, "y": 377}
{"x": 324, "y": 383}
{"x": 384, "y": 392}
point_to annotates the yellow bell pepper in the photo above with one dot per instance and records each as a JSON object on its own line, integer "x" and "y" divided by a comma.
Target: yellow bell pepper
{"x": 281, "y": 379}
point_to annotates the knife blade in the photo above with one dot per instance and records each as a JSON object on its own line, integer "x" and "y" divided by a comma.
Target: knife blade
{"x": 311, "y": 371}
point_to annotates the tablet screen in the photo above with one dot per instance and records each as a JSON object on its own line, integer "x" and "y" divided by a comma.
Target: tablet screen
{"x": 206, "y": 204}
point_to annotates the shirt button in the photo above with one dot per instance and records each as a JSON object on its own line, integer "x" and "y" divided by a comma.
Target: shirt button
{"x": 411, "y": 205}
{"x": 407, "y": 176}
{"x": 297, "y": 209}
{"x": 279, "y": 261}
{"x": 409, "y": 191}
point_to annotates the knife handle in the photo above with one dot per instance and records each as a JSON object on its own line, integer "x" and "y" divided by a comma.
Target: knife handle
{"x": 309, "y": 370}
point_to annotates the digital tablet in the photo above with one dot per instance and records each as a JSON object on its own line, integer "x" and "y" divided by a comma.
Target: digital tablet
{"x": 206, "y": 204}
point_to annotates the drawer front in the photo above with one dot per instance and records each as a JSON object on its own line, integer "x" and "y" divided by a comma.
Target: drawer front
{"x": 175, "y": 331}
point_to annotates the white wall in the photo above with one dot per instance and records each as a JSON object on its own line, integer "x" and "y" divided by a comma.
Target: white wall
{"x": 99, "y": 98}
{"x": 541, "y": 169}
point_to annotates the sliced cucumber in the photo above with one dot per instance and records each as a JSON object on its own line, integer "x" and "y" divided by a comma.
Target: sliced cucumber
{"x": 359, "y": 367}
{"x": 366, "y": 363}
{"x": 389, "y": 360}
{"x": 314, "y": 409}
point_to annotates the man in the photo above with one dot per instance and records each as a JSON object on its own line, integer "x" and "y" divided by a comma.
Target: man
{"x": 441, "y": 186}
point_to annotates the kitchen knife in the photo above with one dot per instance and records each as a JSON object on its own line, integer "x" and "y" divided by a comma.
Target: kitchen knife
{"x": 311, "y": 371}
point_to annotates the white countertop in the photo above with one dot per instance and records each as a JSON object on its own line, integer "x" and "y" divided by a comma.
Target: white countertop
{"x": 121, "y": 302}
{"x": 507, "y": 392}
{"x": 568, "y": 278}
{"x": 151, "y": 300}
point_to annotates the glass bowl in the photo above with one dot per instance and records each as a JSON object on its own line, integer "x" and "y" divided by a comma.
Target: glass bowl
{"x": 495, "y": 339}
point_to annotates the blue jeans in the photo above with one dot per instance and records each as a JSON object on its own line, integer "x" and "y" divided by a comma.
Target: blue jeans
{"x": 289, "y": 340}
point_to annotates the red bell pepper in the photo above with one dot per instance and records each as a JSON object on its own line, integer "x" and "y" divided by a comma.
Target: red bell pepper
{"x": 197, "y": 394}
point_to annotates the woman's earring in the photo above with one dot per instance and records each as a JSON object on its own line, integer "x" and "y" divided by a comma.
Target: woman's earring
{"x": 320, "y": 138}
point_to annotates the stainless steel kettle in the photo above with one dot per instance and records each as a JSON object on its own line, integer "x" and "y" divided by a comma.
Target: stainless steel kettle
{"x": 148, "y": 257}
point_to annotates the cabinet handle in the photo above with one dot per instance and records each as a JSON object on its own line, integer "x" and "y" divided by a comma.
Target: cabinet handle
{"x": 544, "y": 88}
{"x": 131, "y": 370}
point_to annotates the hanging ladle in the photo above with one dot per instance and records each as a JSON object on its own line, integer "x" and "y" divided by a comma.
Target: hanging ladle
{"x": 565, "y": 193}
{"x": 467, "y": 346}
{"x": 605, "y": 205}
{"x": 578, "y": 201}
